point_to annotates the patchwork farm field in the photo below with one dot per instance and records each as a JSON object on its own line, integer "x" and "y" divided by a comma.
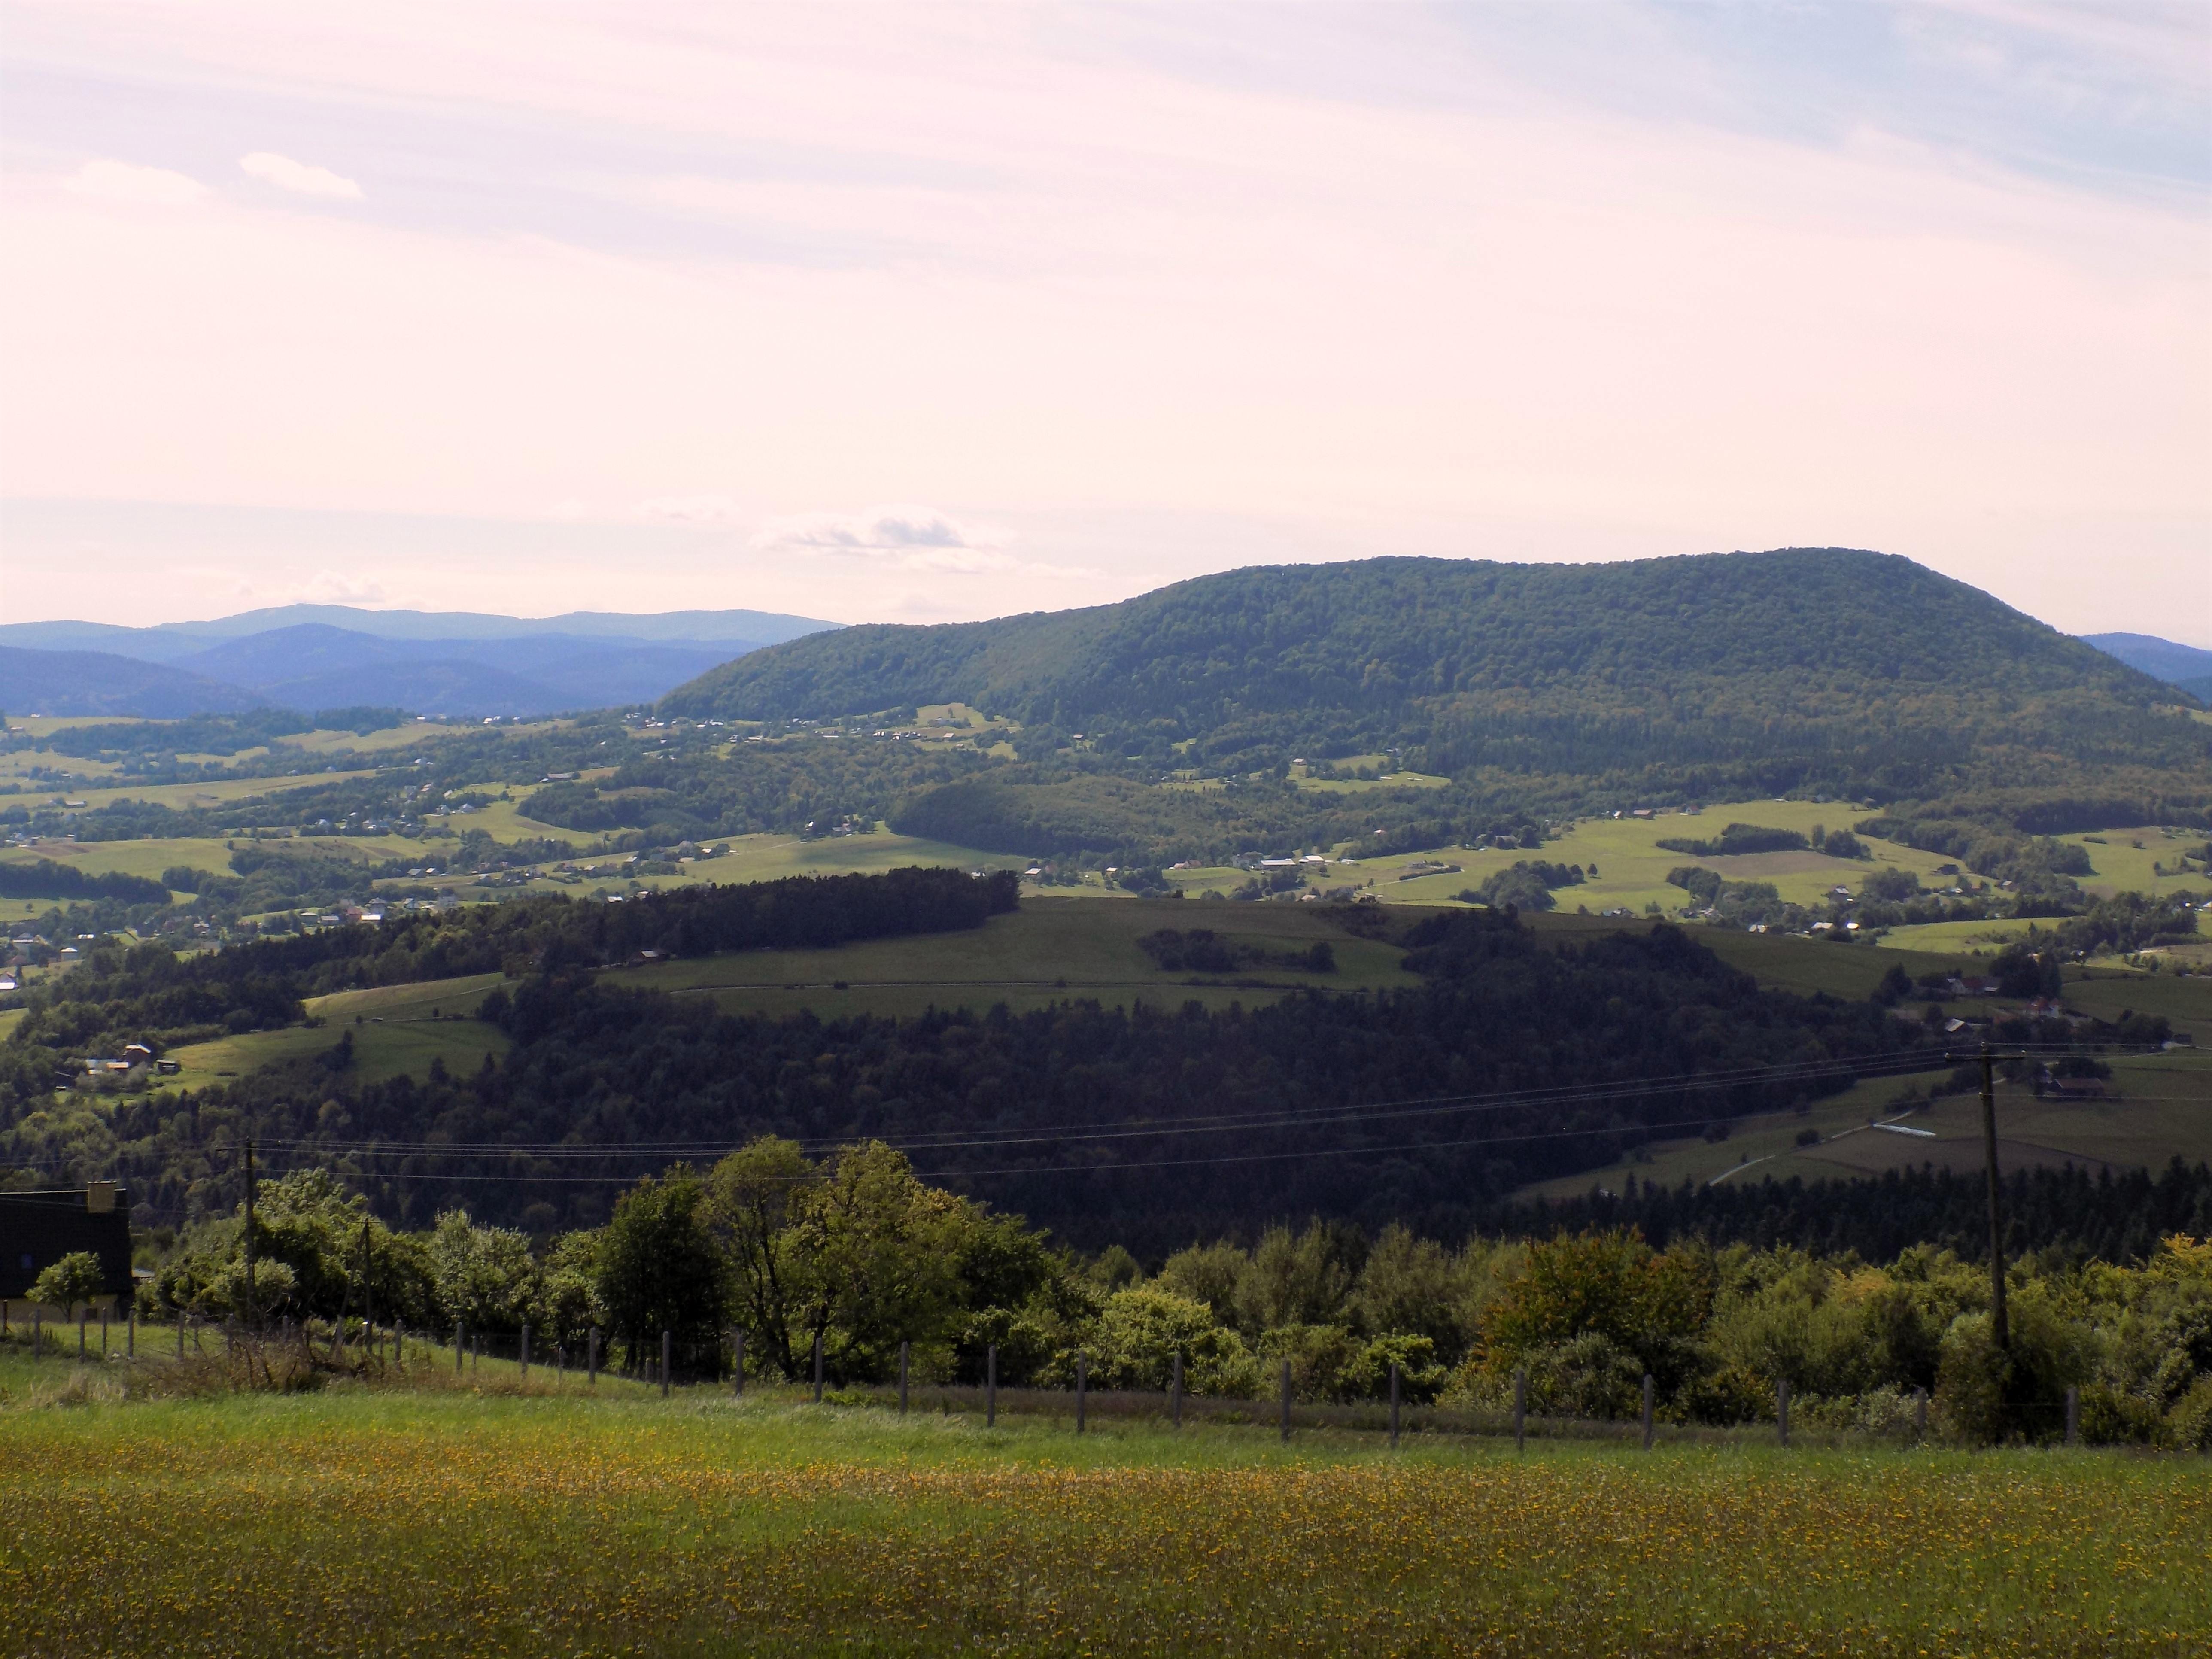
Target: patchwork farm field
{"x": 358, "y": 1521}
{"x": 2161, "y": 1110}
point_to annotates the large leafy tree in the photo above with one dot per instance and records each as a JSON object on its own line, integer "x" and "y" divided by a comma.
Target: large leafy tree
{"x": 657, "y": 1268}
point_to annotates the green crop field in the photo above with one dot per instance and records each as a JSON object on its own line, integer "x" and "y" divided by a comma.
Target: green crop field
{"x": 489, "y": 1520}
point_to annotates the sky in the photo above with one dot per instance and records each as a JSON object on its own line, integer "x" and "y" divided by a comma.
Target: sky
{"x": 924, "y": 313}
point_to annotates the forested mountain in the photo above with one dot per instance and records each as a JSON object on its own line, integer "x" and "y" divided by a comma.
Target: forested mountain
{"x": 1854, "y": 673}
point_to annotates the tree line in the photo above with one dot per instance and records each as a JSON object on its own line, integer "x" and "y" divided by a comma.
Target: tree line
{"x": 852, "y": 1256}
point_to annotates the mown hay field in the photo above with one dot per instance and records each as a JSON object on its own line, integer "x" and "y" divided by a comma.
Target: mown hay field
{"x": 387, "y": 1521}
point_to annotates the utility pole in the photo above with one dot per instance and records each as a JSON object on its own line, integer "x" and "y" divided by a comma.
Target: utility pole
{"x": 1999, "y": 1326}
{"x": 252, "y": 1302}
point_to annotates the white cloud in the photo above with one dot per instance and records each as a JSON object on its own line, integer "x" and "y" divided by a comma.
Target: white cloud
{"x": 336, "y": 587}
{"x": 688, "y": 509}
{"x": 915, "y": 538}
{"x": 298, "y": 177}
{"x": 879, "y": 533}
{"x": 137, "y": 186}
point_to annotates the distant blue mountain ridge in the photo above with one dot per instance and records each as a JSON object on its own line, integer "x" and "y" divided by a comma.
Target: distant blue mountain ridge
{"x": 2184, "y": 666}
{"x": 311, "y": 657}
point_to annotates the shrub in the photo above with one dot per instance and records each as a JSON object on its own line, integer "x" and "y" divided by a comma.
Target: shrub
{"x": 1142, "y": 1329}
{"x": 2111, "y": 1416}
{"x": 2189, "y": 1424}
{"x": 1987, "y": 1395}
{"x": 75, "y": 1278}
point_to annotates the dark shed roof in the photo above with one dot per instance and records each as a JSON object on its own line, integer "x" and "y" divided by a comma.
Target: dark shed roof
{"x": 38, "y": 1229}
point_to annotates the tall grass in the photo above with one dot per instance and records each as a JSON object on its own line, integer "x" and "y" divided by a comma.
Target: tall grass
{"x": 459, "y": 1517}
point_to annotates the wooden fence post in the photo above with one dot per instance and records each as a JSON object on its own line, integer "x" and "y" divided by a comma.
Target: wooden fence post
{"x": 2073, "y": 1416}
{"x": 526, "y": 1350}
{"x": 1647, "y": 1410}
{"x": 667, "y": 1341}
{"x": 991, "y": 1385}
{"x": 1394, "y": 1405}
{"x": 1781, "y": 1409}
{"x": 1175, "y": 1388}
{"x": 1521, "y": 1409}
{"x": 905, "y": 1350}
{"x": 1286, "y": 1401}
{"x": 737, "y": 1365}
{"x": 592, "y": 1359}
{"x": 817, "y": 1368}
{"x": 1082, "y": 1381}
{"x": 460, "y": 1337}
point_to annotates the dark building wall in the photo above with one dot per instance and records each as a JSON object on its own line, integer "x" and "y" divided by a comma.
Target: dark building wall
{"x": 38, "y": 1229}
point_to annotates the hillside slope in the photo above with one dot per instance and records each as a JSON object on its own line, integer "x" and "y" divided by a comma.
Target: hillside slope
{"x": 1858, "y": 673}
{"x": 97, "y": 683}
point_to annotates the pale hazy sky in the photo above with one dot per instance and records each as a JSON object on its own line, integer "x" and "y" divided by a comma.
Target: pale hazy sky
{"x": 924, "y": 312}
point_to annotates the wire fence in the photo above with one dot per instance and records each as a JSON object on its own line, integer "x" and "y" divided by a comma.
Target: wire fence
{"x": 287, "y": 1355}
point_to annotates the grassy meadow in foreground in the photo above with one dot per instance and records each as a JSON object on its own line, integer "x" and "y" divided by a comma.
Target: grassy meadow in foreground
{"x": 358, "y": 1521}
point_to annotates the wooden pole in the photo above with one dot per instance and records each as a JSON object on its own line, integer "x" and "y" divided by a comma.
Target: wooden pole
{"x": 991, "y": 1385}
{"x": 1394, "y": 1405}
{"x": 905, "y": 1350}
{"x": 667, "y": 1342}
{"x": 1521, "y": 1409}
{"x": 1647, "y": 1410}
{"x": 460, "y": 1335}
{"x": 1781, "y": 1409}
{"x": 1286, "y": 1401}
{"x": 526, "y": 1350}
{"x": 2000, "y": 1327}
{"x": 1082, "y": 1381}
{"x": 252, "y": 1303}
{"x": 1175, "y": 1388}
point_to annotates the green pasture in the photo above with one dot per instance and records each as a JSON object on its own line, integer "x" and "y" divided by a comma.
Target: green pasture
{"x": 1631, "y": 866}
{"x": 400, "y": 1029}
{"x": 2143, "y": 861}
{"x": 476, "y": 1519}
{"x": 2108, "y": 993}
{"x": 1049, "y": 951}
{"x": 2162, "y": 1109}
{"x": 126, "y": 858}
